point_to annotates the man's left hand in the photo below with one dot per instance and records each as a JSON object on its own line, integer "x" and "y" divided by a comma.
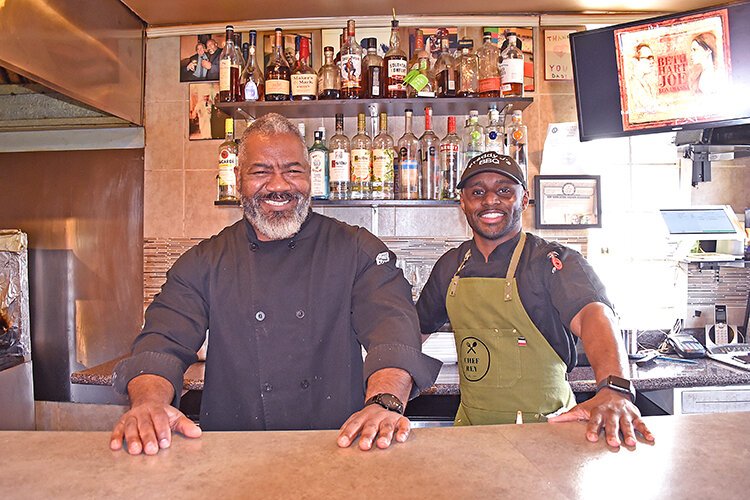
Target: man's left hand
{"x": 374, "y": 424}
{"x": 612, "y": 411}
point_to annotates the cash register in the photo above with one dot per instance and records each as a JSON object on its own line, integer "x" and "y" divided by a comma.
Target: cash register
{"x": 715, "y": 228}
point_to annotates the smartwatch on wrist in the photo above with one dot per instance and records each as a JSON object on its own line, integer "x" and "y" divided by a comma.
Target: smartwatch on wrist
{"x": 387, "y": 401}
{"x": 618, "y": 384}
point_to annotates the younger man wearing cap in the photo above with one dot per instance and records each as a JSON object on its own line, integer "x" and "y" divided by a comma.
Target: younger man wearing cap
{"x": 517, "y": 303}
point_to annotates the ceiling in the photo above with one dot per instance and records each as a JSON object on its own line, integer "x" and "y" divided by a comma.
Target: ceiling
{"x": 185, "y": 12}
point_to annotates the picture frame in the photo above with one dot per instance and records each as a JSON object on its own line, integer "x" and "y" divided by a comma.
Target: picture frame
{"x": 190, "y": 55}
{"x": 557, "y": 61}
{"x": 567, "y": 201}
{"x": 205, "y": 119}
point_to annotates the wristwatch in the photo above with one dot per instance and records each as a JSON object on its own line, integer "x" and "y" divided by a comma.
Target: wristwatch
{"x": 387, "y": 401}
{"x": 618, "y": 384}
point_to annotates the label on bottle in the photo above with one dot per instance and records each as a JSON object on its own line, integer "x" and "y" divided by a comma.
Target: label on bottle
{"x": 416, "y": 80}
{"x": 361, "y": 160}
{"x": 396, "y": 72}
{"x": 511, "y": 71}
{"x": 494, "y": 141}
{"x": 489, "y": 84}
{"x": 227, "y": 177}
{"x": 277, "y": 87}
{"x": 518, "y": 135}
{"x": 225, "y": 78}
{"x": 318, "y": 177}
{"x": 304, "y": 84}
{"x": 339, "y": 171}
{"x": 374, "y": 81}
{"x": 409, "y": 172}
{"x": 251, "y": 91}
{"x": 227, "y": 160}
{"x": 351, "y": 70}
{"x": 382, "y": 165}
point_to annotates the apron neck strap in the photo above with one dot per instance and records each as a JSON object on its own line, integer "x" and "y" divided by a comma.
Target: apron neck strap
{"x": 509, "y": 277}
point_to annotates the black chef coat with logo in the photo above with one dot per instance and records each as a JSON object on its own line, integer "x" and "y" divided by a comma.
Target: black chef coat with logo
{"x": 551, "y": 296}
{"x": 287, "y": 320}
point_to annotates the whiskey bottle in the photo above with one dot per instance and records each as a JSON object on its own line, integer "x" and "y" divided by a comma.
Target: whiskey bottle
{"x": 383, "y": 158}
{"x": 372, "y": 70}
{"x": 450, "y": 162}
{"x": 495, "y": 135}
{"x": 229, "y": 69}
{"x": 340, "y": 168}
{"x": 361, "y": 155}
{"x": 394, "y": 65}
{"x": 518, "y": 141}
{"x": 408, "y": 161}
{"x": 473, "y": 137}
{"x": 329, "y": 77}
{"x": 351, "y": 65}
{"x": 489, "y": 72}
{"x": 428, "y": 155}
{"x": 511, "y": 67}
{"x": 419, "y": 51}
{"x": 304, "y": 78}
{"x": 278, "y": 73}
{"x": 319, "y": 187}
{"x": 446, "y": 68}
{"x": 254, "y": 83}
{"x": 468, "y": 69}
{"x": 226, "y": 180}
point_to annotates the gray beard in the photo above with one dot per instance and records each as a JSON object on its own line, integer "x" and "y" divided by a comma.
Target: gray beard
{"x": 277, "y": 225}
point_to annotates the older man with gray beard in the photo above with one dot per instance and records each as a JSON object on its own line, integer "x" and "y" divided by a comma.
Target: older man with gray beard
{"x": 290, "y": 297}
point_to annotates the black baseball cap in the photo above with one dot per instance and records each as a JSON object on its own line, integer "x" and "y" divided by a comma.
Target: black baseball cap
{"x": 493, "y": 162}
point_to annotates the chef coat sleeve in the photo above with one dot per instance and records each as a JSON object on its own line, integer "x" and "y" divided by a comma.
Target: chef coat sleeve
{"x": 174, "y": 329}
{"x": 384, "y": 318}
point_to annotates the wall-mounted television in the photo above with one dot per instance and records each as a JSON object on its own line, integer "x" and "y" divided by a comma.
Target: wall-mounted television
{"x": 675, "y": 72}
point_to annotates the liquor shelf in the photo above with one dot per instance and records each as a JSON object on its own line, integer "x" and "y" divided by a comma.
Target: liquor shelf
{"x": 394, "y": 107}
{"x": 366, "y": 203}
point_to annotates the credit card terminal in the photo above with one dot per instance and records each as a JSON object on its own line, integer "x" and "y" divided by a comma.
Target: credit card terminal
{"x": 686, "y": 346}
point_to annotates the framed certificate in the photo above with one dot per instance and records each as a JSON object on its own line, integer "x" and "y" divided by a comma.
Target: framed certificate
{"x": 567, "y": 201}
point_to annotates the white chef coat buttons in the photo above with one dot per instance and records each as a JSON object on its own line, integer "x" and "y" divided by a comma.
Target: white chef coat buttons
{"x": 260, "y": 315}
{"x": 300, "y": 314}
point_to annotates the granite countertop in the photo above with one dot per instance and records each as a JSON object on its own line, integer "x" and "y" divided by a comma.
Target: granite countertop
{"x": 653, "y": 375}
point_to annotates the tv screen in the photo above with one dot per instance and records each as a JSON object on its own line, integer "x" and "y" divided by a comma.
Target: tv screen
{"x": 680, "y": 71}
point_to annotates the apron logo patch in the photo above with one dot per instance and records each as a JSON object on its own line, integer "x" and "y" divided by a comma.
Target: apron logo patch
{"x": 474, "y": 359}
{"x": 555, "y": 261}
{"x": 521, "y": 341}
{"x": 382, "y": 258}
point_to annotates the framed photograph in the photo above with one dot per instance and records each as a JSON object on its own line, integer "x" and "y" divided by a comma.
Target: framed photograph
{"x": 526, "y": 36}
{"x": 199, "y": 57}
{"x": 205, "y": 120}
{"x": 557, "y": 62}
{"x": 567, "y": 201}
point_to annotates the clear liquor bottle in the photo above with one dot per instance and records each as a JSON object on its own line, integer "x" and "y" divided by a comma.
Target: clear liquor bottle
{"x": 329, "y": 77}
{"x": 229, "y": 69}
{"x": 495, "y": 133}
{"x": 473, "y": 137}
{"x": 253, "y": 77}
{"x": 489, "y": 72}
{"x": 420, "y": 82}
{"x": 372, "y": 70}
{"x": 226, "y": 180}
{"x": 278, "y": 73}
{"x": 319, "y": 158}
{"x": 351, "y": 65}
{"x": 361, "y": 154}
{"x": 304, "y": 78}
{"x": 340, "y": 167}
{"x": 518, "y": 141}
{"x": 446, "y": 68}
{"x": 428, "y": 155}
{"x": 394, "y": 65}
{"x": 408, "y": 161}
{"x": 450, "y": 162}
{"x": 511, "y": 67}
{"x": 468, "y": 69}
{"x": 383, "y": 162}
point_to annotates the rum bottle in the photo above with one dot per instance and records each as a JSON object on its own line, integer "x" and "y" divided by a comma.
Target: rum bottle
{"x": 304, "y": 78}
{"x": 329, "y": 77}
{"x": 361, "y": 155}
{"x": 319, "y": 187}
{"x": 383, "y": 159}
{"x": 468, "y": 69}
{"x": 408, "y": 161}
{"x": 511, "y": 67}
{"x": 254, "y": 82}
{"x": 351, "y": 65}
{"x": 394, "y": 65}
{"x": 226, "y": 181}
{"x": 489, "y": 72}
{"x": 229, "y": 69}
{"x": 450, "y": 162}
{"x": 278, "y": 73}
{"x": 340, "y": 168}
{"x": 428, "y": 155}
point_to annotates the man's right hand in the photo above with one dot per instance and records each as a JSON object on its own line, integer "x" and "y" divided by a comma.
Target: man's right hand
{"x": 148, "y": 425}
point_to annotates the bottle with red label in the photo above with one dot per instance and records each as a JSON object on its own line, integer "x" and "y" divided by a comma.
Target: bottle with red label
{"x": 489, "y": 72}
{"x": 226, "y": 181}
{"x": 351, "y": 65}
{"x": 511, "y": 67}
{"x": 304, "y": 78}
{"x": 394, "y": 66}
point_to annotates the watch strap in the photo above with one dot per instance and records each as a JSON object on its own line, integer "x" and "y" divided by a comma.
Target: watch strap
{"x": 388, "y": 401}
{"x": 618, "y": 384}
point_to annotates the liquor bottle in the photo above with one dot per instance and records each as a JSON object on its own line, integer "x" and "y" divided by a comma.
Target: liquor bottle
{"x": 489, "y": 72}
{"x": 446, "y": 68}
{"x": 339, "y": 169}
{"x": 361, "y": 155}
{"x": 383, "y": 161}
{"x": 420, "y": 82}
{"x": 468, "y": 69}
{"x": 226, "y": 181}
{"x": 278, "y": 73}
{"x": 304, "y": 78}
{"x": 419, "y": 51}
{"x": 372, "y": 70}
{"x": 394, "y": 64}
{"x": 254, "y": 83}
{"x": 450, "y": 162}
{"x": 319, "y": 187}
{"x": 473, "y": 137}
{"x": 239, "y": 88}
{"x": 518, "y": 141}
{"x": 408, "y": 161}
{"x": 329, "y": 77}
{"x": 428, "y": 155}
{"x": 351, "y": 65}
{"x": 511, "y": 67}
{"x": 495, "y": 135}
{"x": 229, "y": 69}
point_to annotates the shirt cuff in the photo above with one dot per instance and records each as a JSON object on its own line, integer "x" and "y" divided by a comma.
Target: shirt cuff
{"x": 151, "y": 363}
{"x": 422, "y": 368}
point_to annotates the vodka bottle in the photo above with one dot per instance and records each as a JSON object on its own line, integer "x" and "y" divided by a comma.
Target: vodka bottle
{"x": 450, "y": 162}
{"x": 428, "y": 154}
{"x": 494, "y": 133}
{"x": 408, "y": 161}
{"x": 473, "y": 137}
{"x": 518, "y": 141}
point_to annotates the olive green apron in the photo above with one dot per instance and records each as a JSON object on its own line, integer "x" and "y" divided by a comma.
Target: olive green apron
{"x": 505, "y": 364}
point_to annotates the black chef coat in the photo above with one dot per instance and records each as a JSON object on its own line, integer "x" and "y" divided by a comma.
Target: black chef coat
{"x": 287, "y": 320}
{"x": 551, "y": 296}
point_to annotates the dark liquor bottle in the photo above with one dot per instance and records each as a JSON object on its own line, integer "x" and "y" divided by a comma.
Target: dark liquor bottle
{"x": 394, "y": 66}
{"x": 229, "y": 69}
{"x": 372, "y": 69}
{"x": 351, "y": 65}
{"x": 446, "y": 68}
{"x": 304, "y": 78}
{"x": 511, "y": 67}
{"x": 278, "y": 73}
{"x": 329, "y": 77}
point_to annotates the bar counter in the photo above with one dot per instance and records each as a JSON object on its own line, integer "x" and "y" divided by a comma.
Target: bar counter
{"x": 695, "y": 456}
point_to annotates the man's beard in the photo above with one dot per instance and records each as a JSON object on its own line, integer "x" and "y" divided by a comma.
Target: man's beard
{"x": 513, "y": 223}
{"x": 276, "y": 225}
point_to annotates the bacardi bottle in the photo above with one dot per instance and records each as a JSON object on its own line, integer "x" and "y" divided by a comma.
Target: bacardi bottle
{"x": 226, "y": 180}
